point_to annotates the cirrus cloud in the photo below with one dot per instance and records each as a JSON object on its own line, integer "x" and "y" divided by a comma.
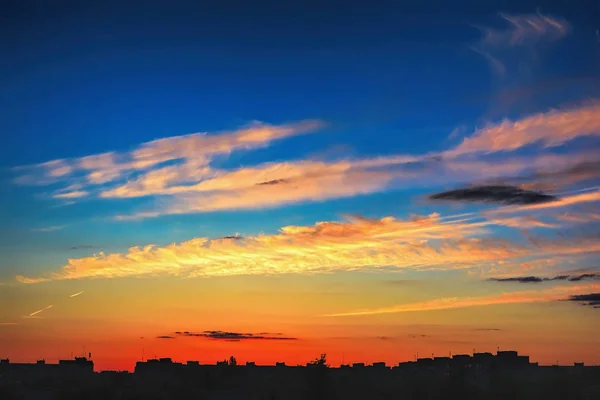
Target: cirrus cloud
{"x": 422, "y": 242}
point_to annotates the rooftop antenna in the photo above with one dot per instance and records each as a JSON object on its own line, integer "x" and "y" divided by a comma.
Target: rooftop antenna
{"x": 142, "y": 354}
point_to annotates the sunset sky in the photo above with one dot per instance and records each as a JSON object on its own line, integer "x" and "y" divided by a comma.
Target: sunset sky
{"x": 371, "y": 180}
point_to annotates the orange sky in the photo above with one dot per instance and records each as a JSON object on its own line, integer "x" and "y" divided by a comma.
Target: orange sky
{"x": 119, "y": 321}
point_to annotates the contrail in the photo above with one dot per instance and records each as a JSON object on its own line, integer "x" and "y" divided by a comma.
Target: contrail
{"x": 8, "y": 323}
{"x": 76, "y": 294}
{"x": 39, "y": 311}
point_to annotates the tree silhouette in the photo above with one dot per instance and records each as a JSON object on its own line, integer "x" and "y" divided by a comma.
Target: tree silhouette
{"x": 232, "y": 361}
{"x": 321, "y": 360}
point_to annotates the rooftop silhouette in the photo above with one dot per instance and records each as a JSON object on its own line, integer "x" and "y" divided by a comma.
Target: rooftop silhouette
{"x": 477, "y": 375}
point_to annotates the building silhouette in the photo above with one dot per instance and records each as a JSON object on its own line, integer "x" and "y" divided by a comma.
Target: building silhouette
{"x": 505, "y": 374}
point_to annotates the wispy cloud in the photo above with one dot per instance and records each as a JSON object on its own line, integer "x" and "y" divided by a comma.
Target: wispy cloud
{"x": 526, "y": 30}
{"x": 424, "y": 242}
{"x": 8, "y": 323}
{"x": 71, "y": 195}
{"x": 193, "y": 152}
{"x": 524, "y": 222}
{"x": 520, "y": 31}
{"x": 313, "y": 181}
{"x": 178, "y": 171}
{"x": 579, "y": 217}
{"x": 76, "y": 294}
{"x": 549, "y": 129}
{"x": 538, "y": 279}
{"x": 48, "y": 228}
{"x": 463, "y": 302}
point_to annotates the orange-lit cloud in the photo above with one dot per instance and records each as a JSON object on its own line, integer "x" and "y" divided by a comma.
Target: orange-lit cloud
{"x": 357, "y": 244}
{"x": 553, "y": 294}
{"x": 197, "y": 148}
{"x": 588, "y": 197}
{"x": 579, "y": 217}
{"x": 525, "y": 222}
{"x": 259, "y": 178}
{"x": 550, "y": 129}
{"x": 190, "y": 184}
{"x": 276, "y": 184}
{"x": 71, "y": 195}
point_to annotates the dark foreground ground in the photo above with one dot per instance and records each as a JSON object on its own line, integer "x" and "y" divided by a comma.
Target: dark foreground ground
{"x": 310, "y": 383}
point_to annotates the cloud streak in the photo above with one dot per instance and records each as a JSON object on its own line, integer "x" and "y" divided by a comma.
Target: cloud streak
{"x": 234, "y": 336}
{"x": 192, "y": 151}
{"x": 39, "y": 311}
{"x": 549, "y": 129}
{"x": 420, "y": 242}
{"x": 179, "y": 172}
{"x": 464, "y": 302}
{"x": 76, "y": 294}
{"x": 525, "y": 31}
{"x": 538, "y": 279}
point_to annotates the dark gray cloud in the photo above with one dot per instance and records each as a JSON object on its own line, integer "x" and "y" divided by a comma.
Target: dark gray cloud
{"x": 236, "y": 237}
{"x": 537, "y": 279}
{"x": 234, "y": 336}
{"x": 164, "y": 337}
{"x": 83, "y": 247}
{"x": 273, "y": 182}
{"x": 487, "y": 329}
{"x": 591, "y": 299}
{"x": 583, "y": 277}
{"x": 504, "y": 194}
{"x": 520, "y": 279}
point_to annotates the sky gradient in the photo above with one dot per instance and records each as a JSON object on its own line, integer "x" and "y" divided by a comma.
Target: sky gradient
{"x": 278, "y": 181}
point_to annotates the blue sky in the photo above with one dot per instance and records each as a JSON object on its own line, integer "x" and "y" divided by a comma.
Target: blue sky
{"x": 385, "y": 79}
